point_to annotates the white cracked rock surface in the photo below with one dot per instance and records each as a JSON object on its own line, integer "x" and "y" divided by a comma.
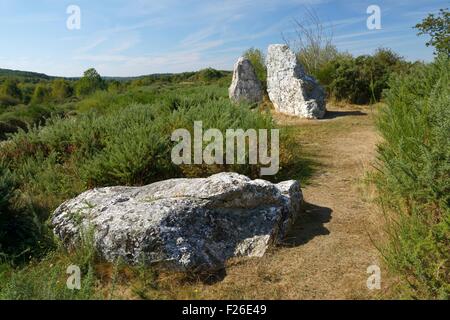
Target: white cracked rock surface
{"x": 182, "y": 224}
{"x": 290, "y": 89}
{"x": 245, "y": 85}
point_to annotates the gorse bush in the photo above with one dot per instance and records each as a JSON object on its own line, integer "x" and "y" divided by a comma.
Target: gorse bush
{"x": 22, "y": 116}
{"x": 21, "y": 234}
{"x": 414, "y": 179}
{"x": 362, "y": 79}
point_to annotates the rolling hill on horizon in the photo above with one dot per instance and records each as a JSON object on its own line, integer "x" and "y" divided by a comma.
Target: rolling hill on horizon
{"x": 24, "y": 74}
{"x": 20, "y": 74}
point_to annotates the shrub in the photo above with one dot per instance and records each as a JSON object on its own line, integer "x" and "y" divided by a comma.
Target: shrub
{"x": 27, "y": 91}
{"x": 42, "y": 94}
{"x": 89, "y": 83}
{"x": 61, "y": 90}
{"x": 312, "y": 42}
{"x": 361, "y": 80}
{"x": 315, "y": 57}
{"x": 10, "y": 88}
{"x": 10, "y": 126}
{"x": 414, "y": 178}
{"x": 20, "y": 232}
{"x": 207, "y": 75}
{"x": 6, "y": 101}
{"x": 22, "y": 116}
{"x": 115, "y": 86}
{"x": 258, "y": 60}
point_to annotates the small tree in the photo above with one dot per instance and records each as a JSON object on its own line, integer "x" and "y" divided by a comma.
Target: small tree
{"x": 11, "y": 89}
{"x": 258, "y": 60}
{"x": 41, "y": 94}
{"x": 438, "y": 28}
{"x": 312, "y": 42}
{"x": 61, "y": 90}
{"x": 115, "y": 86}
{"x": 89, "y": 83}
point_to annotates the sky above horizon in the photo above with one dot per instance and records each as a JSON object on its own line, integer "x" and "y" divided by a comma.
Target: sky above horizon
{"x": 138, "y": 37}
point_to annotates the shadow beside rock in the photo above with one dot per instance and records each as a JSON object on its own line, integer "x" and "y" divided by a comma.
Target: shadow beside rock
{"x": 338, "y": 114}
{"x": 309, "y": 225}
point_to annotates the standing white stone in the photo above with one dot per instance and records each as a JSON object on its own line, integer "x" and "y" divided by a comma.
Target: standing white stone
{"x": 245, "y": 85}
{"x": 290, "y": 89}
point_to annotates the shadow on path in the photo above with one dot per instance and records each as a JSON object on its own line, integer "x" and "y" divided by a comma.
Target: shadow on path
{"x": 337, "y": 114}
{"x": 309, "y": 225}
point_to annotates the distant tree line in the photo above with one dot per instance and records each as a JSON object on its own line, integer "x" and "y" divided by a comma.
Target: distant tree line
{"x": 15, "y": 90}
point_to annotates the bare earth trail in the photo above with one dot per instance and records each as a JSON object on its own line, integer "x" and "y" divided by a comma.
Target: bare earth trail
{"x": 329, "y": 250}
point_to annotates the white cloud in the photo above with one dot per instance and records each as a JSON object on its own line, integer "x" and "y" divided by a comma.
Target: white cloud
{"x": 94, "y": 44}
{"x": 198, "y": 36}
{"x": 127, "y": 43}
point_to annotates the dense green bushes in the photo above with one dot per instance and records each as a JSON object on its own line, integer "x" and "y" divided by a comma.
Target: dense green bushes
{"x": 316, "y": 57}
{"x": 42, "y": 94}
{"x": 208, "y": 74}
{"x": 21, "y": 116}
{"x": 414, "y": 179}
{"x": 360, "y": 80}
{"x": 6, "y": 101}
{"x": 61, "y": 90}
{"x": 10, "y": 88}
{"x": 21, "y": 233}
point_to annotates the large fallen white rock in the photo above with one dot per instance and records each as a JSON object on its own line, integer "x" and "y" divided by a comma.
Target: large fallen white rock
{"x": 245, "y": 85}
{"x": 182, "y": 224}
{"x": 290, "y": 89}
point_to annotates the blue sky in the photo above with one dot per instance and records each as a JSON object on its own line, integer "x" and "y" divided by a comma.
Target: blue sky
{"x": 136, "y": 37}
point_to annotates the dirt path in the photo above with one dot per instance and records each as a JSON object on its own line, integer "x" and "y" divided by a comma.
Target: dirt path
{"x": 329, "y": 250}
{"x": 336, "y": 233}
